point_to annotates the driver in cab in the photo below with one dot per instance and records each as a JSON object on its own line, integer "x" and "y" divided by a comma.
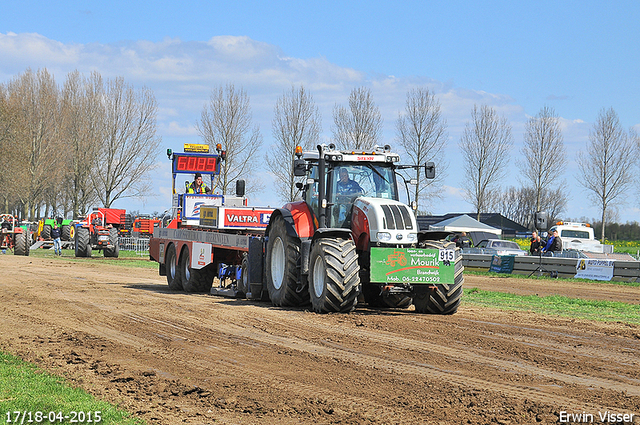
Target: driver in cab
{"x": 346, "y": 186}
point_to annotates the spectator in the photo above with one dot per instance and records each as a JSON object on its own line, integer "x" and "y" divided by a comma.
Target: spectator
{"x": 55, "y": 234}
{"x": 536, "y": 244}
{"x": 462, "y": 241}
{"x": 554, "y": 244}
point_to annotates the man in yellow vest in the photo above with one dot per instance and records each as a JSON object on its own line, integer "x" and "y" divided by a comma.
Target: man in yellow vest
{"x": 198, "y": 186}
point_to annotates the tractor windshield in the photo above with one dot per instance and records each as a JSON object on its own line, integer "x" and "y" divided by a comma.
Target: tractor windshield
{"x": 349, "y": 181}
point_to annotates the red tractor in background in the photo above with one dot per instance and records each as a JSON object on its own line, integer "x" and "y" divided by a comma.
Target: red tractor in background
{"x": 14, "y": 237}
{"x": 143, "y": 226}
{"x": 99, "y": 231}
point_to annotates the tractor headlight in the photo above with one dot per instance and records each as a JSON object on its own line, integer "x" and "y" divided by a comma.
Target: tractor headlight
{"x": 412, "y": 237}
{"x": 384, "y": 236}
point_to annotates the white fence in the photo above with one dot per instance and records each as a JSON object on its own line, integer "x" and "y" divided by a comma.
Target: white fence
{"x": 139, "y": 245}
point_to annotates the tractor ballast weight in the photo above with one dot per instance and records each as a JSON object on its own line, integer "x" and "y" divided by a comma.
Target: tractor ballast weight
{"x": 351, "y": 239}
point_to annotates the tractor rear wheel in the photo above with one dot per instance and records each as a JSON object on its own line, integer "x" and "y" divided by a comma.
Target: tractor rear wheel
{"x": 283, "y": 276}
{"x": 195, "y": 280}
{"x": 173, "y": 274}
{"x": 83, "y": 246}
{"x": 46, "y": 232}
{"x": 442, "y": 298}
{"x": 22, "y": 244}
{"x": 65, "y": 232}
{"x": 333, "y": 275}
{"x": 113, "y": 241}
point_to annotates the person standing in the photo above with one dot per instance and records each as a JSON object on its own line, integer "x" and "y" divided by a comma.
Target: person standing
{"x": 536, "y": 244}
{"x": 55, "y": 234}
{"x": 554, "y": 244}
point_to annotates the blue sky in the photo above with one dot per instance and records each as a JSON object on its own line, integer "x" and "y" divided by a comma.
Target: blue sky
{"x": 577, "y": 57}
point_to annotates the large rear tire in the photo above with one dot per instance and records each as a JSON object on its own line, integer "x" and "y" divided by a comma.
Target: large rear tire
{"x": 173, "y": 274}
{"x": 83, "y": 247}
{"x": 442, "y": 298}
{"x": 22, "y": 244}
{"x": 195, "y": 280}
{"x": 283, "y": 275}
{"x": 333, "y": 276}
{"x": 65, "y": 232}
{"x": 243, "y": 283}
{"x": 46, "y": 232}
{"x": 114, "y": 251}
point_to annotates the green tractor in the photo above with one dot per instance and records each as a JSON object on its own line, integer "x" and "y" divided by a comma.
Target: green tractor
{"x": 67, "y": 228}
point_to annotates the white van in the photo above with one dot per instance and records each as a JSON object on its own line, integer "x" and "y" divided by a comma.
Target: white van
{"x": 578, "y": 236}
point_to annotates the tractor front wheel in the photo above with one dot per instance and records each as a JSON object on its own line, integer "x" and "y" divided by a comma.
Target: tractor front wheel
{"x": 442, "y": 298}
{"x": 46, "y": 232}
{"x": 114, "y": 251}
{"x": 333, "y": 276}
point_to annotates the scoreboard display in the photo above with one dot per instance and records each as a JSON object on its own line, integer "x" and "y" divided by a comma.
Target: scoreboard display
{"x": 192, "y": 163}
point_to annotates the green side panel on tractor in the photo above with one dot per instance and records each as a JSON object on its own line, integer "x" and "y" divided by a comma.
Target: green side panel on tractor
{"x": 412, "y": 265}
{"x": 50, "y": 221}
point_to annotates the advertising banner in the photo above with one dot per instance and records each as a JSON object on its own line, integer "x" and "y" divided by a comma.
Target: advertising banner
{"x": 502, "y": 263}
{"x": 412, "y": 265}
{"x": 594, "y": 269}
{"x": 201, "y": 255}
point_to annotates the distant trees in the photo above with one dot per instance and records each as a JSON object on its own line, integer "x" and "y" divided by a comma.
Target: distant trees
{"x": 296, "y": 122}
{"x": 359, "y": 126}
{"x": 55, "y": 140}
{"x": 422, "y": 133}
{"x": 485, "y": 145}
{"x": 227, "y": 120}
{"x": 606, "y": 168}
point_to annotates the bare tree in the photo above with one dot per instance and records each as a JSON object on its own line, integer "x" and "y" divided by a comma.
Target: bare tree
{"x": 296, "y": 122}
{"x": 36, "y": 97}
{"x": 606, "y": 168}
{"x": 519, "y": 204}
{"x": 422, "y": 132}
{"x": 81, "y": 121}
{"x": 485, "y": 146}
{"x": 129, "y": 146}
{"x": 543, "y": 146}
{"x": 226, "y": 120}
{"x": 360, "y": 126}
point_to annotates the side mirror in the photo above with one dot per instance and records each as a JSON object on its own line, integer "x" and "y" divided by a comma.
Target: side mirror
{"x": 299, "y": 185}
{"x": 240, "y": 187}
{"x": 299, "y": 167}
{"x": 430, "y": 170}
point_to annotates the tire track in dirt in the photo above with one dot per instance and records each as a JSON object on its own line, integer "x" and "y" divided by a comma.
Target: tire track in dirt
{"x": 406, "y": 367}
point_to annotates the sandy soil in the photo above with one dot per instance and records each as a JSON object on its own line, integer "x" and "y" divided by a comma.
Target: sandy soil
{"x": 171, "y": 357}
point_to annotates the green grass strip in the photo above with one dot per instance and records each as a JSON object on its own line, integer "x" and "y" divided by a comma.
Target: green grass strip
{"x": 26, "y": 388}
{"x": 556, "y": 305}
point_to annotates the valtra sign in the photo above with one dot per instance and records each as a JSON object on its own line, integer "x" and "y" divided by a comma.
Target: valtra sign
{"x": 246, "y": 218}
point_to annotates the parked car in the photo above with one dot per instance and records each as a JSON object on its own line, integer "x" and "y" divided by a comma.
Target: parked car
{"x": 496, "y": 247}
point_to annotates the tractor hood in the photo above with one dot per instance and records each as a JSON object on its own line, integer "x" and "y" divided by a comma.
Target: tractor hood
{"x": 389, "y": 221}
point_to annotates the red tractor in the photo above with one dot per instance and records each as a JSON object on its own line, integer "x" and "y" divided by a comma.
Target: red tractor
{"x": 12, "y": 236}
{"x": 99, "y": 231}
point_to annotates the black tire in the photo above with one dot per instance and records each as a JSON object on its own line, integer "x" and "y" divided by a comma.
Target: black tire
{"x": 83, "y": 246}
{"x": 444, "y": 298}
{"x": 46, "y": 232}
{"x": 65, "y": 233}
{"x": 333, "y": 276}
{"x": 243, "y": 282}
{"x": 173, "y": 272}
{"x": 195, "y": 280}
{"x": 283, "y": 275}
{"x": 22, "y": 245}
{"x": 113, "y": 240}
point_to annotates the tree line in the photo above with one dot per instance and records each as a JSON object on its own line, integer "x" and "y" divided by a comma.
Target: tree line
{"x": 65, "y": 149}
{"x": 94, "y": 140}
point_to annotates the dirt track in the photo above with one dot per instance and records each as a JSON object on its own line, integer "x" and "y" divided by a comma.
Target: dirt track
{"x": 177, "y": 358}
